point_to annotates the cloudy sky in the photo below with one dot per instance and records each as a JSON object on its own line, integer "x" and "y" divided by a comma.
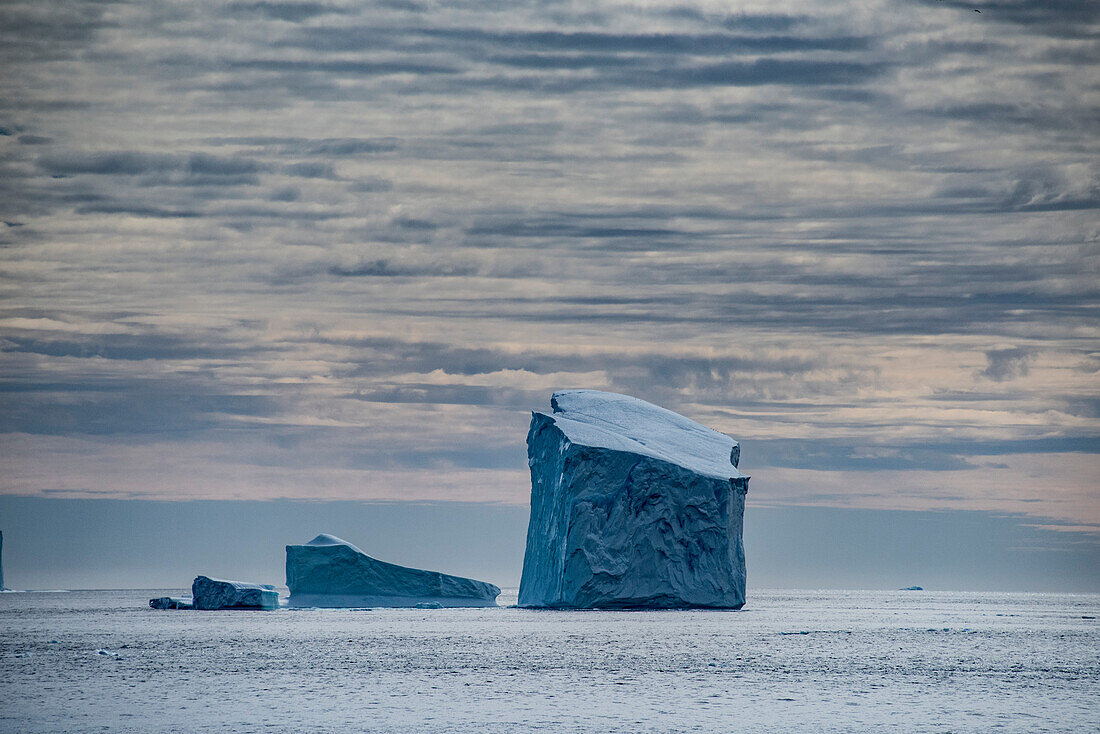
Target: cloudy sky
{"x": 339, "y": 250}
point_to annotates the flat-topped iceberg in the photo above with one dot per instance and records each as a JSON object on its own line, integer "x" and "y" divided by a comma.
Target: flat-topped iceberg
{"x": 329, "y": 572}
{"x": 632, "y": 506}
{"x": 208, "y": 593}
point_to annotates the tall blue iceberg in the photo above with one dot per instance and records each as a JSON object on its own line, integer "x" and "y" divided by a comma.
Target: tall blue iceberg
{"x": 632, "y": 506}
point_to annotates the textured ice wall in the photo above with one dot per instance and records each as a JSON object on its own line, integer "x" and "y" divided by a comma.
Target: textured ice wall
{"x": 632, "y": 506}
{"x": 329, "y": 572}
{"x": 209, "y": 593}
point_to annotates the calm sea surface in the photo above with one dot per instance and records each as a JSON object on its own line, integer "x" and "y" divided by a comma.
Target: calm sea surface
{"x": 791, "y": 660}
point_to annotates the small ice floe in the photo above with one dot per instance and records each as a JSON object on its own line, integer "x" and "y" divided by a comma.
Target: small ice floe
{"x": 108, "y": 653}
{"x": 172, "y": 602}
{"x": 429, "y": 605}
{"x": 912, "y": 588}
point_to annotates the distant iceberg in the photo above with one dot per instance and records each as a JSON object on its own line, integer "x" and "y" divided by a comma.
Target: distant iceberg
{"x": 208, "y": 593}
{"x": 329, "y": 572}
{"x": 632, "y": 506}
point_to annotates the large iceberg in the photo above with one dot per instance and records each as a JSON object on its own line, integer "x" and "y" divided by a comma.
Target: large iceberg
{"x": 329, "y": 572}
{"x": 632, "y": 506}
{"x": 208, "y": 593}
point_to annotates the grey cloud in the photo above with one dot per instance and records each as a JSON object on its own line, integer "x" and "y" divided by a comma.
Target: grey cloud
{"x": 762, "y": 72}
{"x": 887, "y": 311}
{"x": 1085, "y": 407}
{"x": 1087, "y": 55}
{"x": 756, "y": 73}
{"x": 1006, "y": 364}
{"x": 314, "y": 146}
{"x": 645, "y": 65}
{"x": 120, "y": 163}
{"x": 1018, "y": 115}
{"x": 559, "y": 61}
{"x": 656, "y": 43}
{"x": 406, "y": 5}
{"x": 138, "y": 210}
{"x": 286, "y": 193}
{"x": 122, "y": 347}
{"x": 426, "y": 393}
{"x": 44, "y": 30}
{"x": 382, "y": 268}
{"x": 139, "y": 410}
{"x": 761, "y": 22}
{"x": 567, "y": 226}
{"x": 1063, "y": 18}
{"x": 419, "y": 225}
{"x": 654, "y": 375}
{"x": 839, "y": 455}
{"x": 288, "y": 11}
{"x": 311, "y": 170}
{"x": 641, "y": 371}
{"x": 203, "y": 164}
{"x": 342, "y": 67}
{"x": 344, "y": 37}
{"x": 1048, "y": 190}
{"x": 1073, "y": 444}
{"x": 769, "y": 71}
{"x": 132, "y": 163}
{"x": 276, "y": 212}
{"x": 350, "y": 146}
{"x": 371, "y": 185}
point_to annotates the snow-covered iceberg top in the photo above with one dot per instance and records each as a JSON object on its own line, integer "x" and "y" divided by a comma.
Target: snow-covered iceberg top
{"x": 622, "y": 423}
{"x": 324, "y": 539}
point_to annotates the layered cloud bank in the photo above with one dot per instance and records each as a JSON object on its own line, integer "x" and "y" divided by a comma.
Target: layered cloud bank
{"x": 327, "y": 250}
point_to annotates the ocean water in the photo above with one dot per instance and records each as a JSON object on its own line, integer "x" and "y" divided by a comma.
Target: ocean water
{"x": 816, "y": 661}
